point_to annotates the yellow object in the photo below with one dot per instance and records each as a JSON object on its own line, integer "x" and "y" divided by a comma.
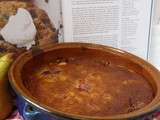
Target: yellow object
{"x": 5, "y": 96}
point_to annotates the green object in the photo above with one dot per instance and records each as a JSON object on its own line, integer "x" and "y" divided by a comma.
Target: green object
{"x": 6, "y": 103}
{"x": 5, "y": 62}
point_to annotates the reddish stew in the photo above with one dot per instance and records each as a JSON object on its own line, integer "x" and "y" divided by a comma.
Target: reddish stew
{"x": 85, "y": 84}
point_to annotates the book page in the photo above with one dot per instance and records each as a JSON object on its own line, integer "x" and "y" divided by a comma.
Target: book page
{"x": 154, "y": 51}
{"x": 123, "y": 24}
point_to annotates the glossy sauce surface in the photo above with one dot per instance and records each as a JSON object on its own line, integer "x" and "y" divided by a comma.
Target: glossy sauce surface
{"x": 87, "y": 85}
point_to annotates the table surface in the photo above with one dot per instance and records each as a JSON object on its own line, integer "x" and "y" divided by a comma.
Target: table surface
{"x": 154, "y": 116}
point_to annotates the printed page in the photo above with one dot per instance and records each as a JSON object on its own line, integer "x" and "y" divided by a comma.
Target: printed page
{"x": 123, "y": 24}
{"x": 154, "y": 51}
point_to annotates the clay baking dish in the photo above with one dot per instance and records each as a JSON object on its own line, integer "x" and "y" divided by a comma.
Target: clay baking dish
{"x": 84, "y": 81}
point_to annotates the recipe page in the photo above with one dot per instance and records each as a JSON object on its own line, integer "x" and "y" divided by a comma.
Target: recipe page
{"x": 123, "y": 24}
{"x": 154, "y": 51}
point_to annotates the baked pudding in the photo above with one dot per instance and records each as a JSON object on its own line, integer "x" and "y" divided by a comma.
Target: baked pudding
{"x": 87, "y": 82}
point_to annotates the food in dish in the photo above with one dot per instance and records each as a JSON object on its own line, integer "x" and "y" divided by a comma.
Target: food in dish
{"x": 86, "y": 82}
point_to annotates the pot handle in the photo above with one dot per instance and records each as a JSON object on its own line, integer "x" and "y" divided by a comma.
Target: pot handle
{"x": 29, "y": 113}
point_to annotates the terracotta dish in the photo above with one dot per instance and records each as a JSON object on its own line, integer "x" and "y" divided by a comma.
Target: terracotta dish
{"x": 87, "y": 81}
